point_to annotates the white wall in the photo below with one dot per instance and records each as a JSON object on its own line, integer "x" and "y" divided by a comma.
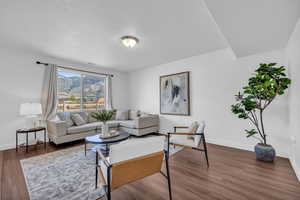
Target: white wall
{"x": 293, "y": 55}
{"x": 21, "y": 81}
{"x": 215, "y": 78}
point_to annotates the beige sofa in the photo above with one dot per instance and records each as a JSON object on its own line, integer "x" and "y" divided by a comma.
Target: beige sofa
{"x": 62, "y": 129}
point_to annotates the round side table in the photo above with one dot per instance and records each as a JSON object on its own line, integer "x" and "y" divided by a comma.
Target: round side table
{"x": 27, "y": 131}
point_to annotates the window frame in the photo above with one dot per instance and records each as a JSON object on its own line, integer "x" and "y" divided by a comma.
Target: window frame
{"x": 82, "y": 87}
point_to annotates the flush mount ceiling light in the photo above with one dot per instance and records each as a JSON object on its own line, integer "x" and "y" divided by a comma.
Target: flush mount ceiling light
{"x": 129, "y": 41}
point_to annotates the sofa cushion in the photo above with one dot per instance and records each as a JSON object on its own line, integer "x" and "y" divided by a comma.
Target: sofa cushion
{"x": 133, "y": 114}
{"x": 147, "y": 121}
{"x": 84, "y": 128}
{"x": 113, "y": 124}
{"x": 183, "y": 140}
{"x": 84, "y": 116}
{"x": 144, "y": 114}
{"x": 77, "y": 119}
{"x": 66, "y": 116}
{"x": 128, "y": 123}
{"x": 91, "y": 126}
{"x": 122, "y": 115}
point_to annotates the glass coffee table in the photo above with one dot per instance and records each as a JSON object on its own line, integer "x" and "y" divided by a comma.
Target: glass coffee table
{"x": 103, "y": 144}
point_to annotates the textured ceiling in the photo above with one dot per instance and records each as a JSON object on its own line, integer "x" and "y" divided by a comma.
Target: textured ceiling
{"x": 90, "y": 31}
{"x": 168, "y": 30}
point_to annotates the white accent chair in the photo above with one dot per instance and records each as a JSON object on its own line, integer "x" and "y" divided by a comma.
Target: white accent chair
{"x": 192, "y": 138}
{"x": 131, "y": 160}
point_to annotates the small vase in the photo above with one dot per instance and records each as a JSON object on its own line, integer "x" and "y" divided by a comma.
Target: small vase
{"x": 105, "y": 129}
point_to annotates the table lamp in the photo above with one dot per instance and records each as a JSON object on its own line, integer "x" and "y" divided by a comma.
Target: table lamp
{"x": 30, "y": 110}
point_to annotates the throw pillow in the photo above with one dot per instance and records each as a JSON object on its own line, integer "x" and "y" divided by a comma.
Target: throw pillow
{"x": 77, "y": 119}
{"x": 122, "y": 115}
{"x": 84, "y": 115}
{"x": 134, "y": 114}
{"x": 66, "y": 116}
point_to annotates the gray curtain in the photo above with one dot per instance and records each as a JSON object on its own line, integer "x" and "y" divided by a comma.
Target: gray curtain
{"x": 49, "y": 92}
{"x": 109, "y": 93}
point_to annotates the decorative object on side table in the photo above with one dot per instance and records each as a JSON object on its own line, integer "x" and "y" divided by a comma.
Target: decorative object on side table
{"x": 112, "y": 133}
{"x": 175, "y": 94}
{"x": 104, "y": 116}
{"x": 268, "y": 82}
{"x": 27, "y": 131}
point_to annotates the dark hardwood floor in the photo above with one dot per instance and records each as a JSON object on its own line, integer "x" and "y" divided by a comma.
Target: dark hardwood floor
{"x": 233, "y": 174}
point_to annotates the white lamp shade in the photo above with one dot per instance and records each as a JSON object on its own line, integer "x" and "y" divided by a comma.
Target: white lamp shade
{"x": 30, "y": 109}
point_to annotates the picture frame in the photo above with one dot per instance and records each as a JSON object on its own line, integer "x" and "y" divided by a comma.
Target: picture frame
{"x": 174, "y": 90}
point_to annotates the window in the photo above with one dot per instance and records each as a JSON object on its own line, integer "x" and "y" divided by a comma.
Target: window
{"x": 78, "y": 91}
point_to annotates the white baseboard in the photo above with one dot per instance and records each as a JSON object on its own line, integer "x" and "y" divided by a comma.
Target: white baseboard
{"x": 7, "y": 146}
{"x": 295, "y": 167}
{"x": 21, "y": 140}
{"x": 293, "y": 162}
{"x": 238, "y": 145}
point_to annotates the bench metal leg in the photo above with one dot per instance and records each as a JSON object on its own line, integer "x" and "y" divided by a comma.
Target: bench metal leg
{"x": 205, "y": 150}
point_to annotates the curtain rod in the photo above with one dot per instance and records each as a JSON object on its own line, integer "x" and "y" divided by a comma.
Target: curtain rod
{"x": 70, "y": 68}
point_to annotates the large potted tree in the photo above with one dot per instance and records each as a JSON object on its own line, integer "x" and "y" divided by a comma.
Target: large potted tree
{"x": 263, "y": 87}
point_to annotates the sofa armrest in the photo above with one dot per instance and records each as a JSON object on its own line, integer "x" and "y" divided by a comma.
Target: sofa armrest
{"x": 147, "y": 121}
{"x": 57, "y": 127}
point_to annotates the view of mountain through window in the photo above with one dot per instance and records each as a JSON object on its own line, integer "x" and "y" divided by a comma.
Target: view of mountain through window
{"x": 80, "y": 91}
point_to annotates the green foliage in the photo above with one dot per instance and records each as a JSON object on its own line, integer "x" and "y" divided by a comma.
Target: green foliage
{"x": 267, "y": 82}
{"x": 103, "y": 115}
{"x": 73, "y": 99}
{"x": 250, "y": 133}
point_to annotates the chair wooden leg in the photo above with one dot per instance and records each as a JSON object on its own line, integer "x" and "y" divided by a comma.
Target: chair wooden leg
{"x": 205, "y": 150}
{"x": 168, "y": 176}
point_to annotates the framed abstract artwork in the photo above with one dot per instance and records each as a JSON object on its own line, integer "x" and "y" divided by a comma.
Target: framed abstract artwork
{"x": 175, "y": 94}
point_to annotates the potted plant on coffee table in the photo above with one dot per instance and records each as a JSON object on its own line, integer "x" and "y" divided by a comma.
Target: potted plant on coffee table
{"x": 104, "y": 116}
{"x": 263, "y": 87}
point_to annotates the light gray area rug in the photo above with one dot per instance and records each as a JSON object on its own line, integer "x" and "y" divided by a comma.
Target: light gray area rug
{"x": 63, "y": 175}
